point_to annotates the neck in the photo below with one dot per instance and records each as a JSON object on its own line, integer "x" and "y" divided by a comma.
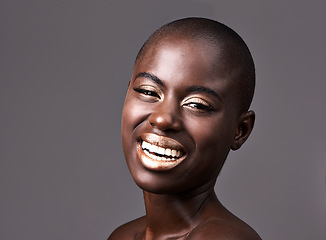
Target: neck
{"x": 174, "y": 215}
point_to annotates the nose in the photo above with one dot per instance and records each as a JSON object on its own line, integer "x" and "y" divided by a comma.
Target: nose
{"x": 166, "y": 117}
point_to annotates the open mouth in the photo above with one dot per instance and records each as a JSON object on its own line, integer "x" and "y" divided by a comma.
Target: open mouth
{"x": 159, "y": 153}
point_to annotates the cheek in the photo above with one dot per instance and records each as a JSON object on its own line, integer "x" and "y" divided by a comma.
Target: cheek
{"x": 127, "y": 122}
{"x": 133, "y": 115}
{"x": 213, "y": 137}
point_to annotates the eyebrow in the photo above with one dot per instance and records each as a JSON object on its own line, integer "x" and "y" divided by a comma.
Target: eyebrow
{"x": 191, "y": 89}
{"x": 149, "y": 76}
{"x": 201, "y": 89}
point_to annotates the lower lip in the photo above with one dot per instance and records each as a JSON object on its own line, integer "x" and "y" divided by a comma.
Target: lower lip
{"x": 156, "y": 165}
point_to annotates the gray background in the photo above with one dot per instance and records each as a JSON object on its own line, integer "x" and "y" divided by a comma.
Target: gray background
{"x": 64, "y": 69}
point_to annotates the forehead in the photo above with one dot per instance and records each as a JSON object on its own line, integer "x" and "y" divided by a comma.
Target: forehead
{"x": 184, "y": 59}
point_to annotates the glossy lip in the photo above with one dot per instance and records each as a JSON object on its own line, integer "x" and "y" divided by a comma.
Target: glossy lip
{"x": 161, "y": 141}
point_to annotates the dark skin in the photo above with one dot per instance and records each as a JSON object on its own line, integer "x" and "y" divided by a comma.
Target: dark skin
{"x": 182, "y": 97}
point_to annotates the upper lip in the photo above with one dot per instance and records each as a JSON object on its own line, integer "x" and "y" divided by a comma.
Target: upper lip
{"x": 162, "y": 141}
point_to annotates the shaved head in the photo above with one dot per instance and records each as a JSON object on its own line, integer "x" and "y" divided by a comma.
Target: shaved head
{"x": 228, "y": 45}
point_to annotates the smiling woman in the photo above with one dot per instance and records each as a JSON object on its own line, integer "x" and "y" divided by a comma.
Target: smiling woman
{"x": 186, "y": 107}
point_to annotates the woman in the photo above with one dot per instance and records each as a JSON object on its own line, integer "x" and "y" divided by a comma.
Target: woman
{"x": 186, "y": 107}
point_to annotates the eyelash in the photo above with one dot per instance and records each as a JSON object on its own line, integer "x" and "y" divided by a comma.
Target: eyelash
{"x": 147, "y": 92}
{"x": 199, "y": 106}
{"x": 194, "y": 105}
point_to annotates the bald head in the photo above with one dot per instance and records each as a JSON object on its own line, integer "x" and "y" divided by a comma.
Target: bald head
{"x": 229, "y": 47}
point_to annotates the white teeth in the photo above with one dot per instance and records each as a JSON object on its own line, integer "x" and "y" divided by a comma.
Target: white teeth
{"x": 178, "y": 153}
{"x": 168, "y": 151}
{"x": 159, "y": 150}
{"x": 157, "y": 158}
{"x": 174, "y": 153}
{"x": 153, "y": 148}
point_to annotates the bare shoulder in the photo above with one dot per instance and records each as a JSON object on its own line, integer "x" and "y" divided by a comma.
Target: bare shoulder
{"x": 223, "y": 229}
{"x": 130, "y": 230}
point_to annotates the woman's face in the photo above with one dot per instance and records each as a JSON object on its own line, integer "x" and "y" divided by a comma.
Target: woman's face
{"x": 179, "y": 117}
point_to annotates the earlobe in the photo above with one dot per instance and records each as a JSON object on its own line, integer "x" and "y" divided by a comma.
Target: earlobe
{"x": 245, "y": 126}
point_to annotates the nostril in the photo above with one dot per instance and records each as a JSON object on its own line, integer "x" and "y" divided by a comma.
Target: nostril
{"x": 165, "y": 121}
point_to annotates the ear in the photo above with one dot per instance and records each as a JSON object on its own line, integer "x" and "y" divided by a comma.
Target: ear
{"x": 245, "y": 126}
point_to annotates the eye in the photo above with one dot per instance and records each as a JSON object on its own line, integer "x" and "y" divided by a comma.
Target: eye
{"x": 197, "y": 104}
{"x": 148, "y": 91}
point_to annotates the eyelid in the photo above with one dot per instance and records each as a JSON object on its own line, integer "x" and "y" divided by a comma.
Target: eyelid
{"x": 198, "y": 105}
{"x": 150, "y": 88}
{"x": 196, "y": 100}
{"x": 147, "y": 87}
